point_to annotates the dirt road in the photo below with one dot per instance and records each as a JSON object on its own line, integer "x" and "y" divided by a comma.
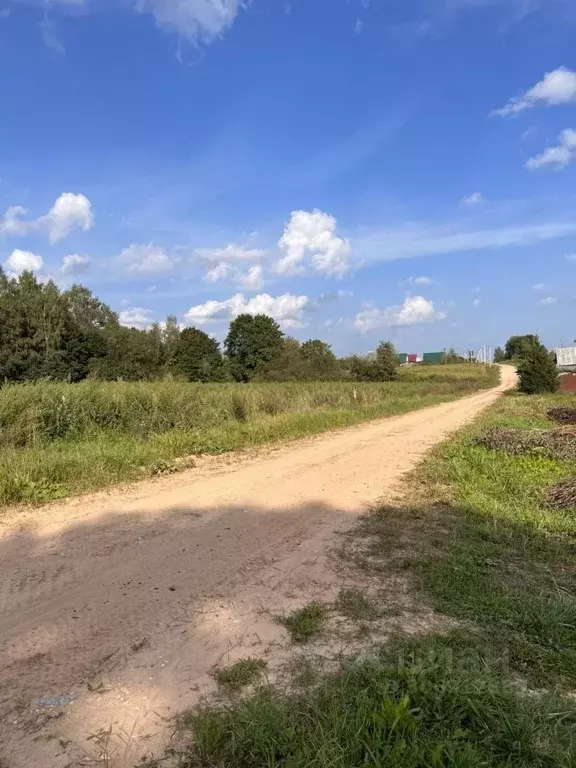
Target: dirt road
{"x": 114, "y": 607}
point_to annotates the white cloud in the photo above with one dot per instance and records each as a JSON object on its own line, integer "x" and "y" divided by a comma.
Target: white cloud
{"x": 22, "y": 261}
{"x": 74, "y": 264}
{"x": 570, "y": 256}
{"x": 252, "y": 279}
{"x": 287, "y": 309}
{"x": 231, "y": 254}
{"x": 136, "y": 317}
{"x": 193, "y": 19}
{"x": 422, "y": 280}
{"x": 416, "y": 240}
{"x": 415, "y": 310}
{"x": 313, "y": 233}
{"x": 220, "y": 272}
{"x": 540, "y": 287}
{"x": 548, "y": 301}
{"x": 51, "y": 36}
{"x": 476, "y": 198}
{"x": 557, "y": 87}
{"x": 560, "y": 155}
{"x": 358, "y": 26}
{"x": 146, "y": 259}
{"x": 12, "y": 224}
{"x": 476, "y": 302}
{"x": 70, "y": 211}
{"x": 228, "y": 264}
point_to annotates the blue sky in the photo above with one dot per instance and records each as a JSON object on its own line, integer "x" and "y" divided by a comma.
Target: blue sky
{"x": 359, "y": 169}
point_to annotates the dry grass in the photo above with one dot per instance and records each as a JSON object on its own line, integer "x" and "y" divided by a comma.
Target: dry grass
{"x": 563, "y": 494}
{"x": 554, "y": 443}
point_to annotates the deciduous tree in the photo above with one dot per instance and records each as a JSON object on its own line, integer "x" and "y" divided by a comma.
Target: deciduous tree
{"x": 197, "y": 356}
{"x": 251, "y": 343}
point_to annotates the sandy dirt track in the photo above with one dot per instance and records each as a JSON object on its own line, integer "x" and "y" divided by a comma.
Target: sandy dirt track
{"x": 114, "y": 607}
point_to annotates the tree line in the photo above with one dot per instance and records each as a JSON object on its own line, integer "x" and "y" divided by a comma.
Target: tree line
{"x": 70, "y": 335}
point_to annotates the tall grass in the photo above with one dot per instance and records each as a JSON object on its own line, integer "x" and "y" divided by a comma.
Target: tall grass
{"x": 57, "y": 438}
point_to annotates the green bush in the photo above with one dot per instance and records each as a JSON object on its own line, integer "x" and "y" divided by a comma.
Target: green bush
{"x": 537, "y": 371}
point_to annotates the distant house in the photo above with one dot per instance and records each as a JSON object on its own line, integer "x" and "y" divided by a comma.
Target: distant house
{"x": 566, "y": 362}
{"x": 566, "y": 358}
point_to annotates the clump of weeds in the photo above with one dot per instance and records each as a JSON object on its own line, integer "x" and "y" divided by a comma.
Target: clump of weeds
{"x": 240, "y": 674}
{"x": 306, "y": 623}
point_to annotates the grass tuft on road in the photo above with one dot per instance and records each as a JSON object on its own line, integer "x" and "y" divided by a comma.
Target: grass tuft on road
{"x": 306, "y": 623}
{"x": 240, "y": 674}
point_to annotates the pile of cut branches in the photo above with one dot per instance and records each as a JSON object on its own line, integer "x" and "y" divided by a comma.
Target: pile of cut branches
{"x": 563, "y": 494}
{"x": 555, "y": 443}
{"x": 562, "y": 415}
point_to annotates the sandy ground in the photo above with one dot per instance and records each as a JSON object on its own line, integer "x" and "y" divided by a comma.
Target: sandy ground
{"x": 114, "y": 607}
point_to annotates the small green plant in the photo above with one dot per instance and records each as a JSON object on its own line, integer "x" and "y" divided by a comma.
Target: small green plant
{"x": 163, "y": 467}
{"x": 240, "y": 674}
{"x": 353, "y": 604}
{"x": 306, "y": 623}
{"x": 37, "y": 491}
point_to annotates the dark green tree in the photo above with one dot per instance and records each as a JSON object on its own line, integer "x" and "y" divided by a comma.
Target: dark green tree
{"x": 252, "y": 342}
{"x": 320, "y": 361}
{"x": 197, "y": 356}
{"x": 518, "y": 347}
{"x": 87, "y": 338}
{"x": 362, "y": 369}
{"x": 287, "y": 364}
{"x": 38, "y": 337}
{"x": 537, "y": 370}
{"x": 386, "y": 361}
{"x": 131, "y": 355}
{"x": 499, "y": 355}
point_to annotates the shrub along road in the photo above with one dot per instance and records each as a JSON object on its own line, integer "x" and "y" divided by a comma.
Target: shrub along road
{"x": 113, "y": 608}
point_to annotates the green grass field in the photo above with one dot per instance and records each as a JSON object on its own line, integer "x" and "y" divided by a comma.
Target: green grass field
{"x": 59, "y": 439}
{"x": 477, "y": 542}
